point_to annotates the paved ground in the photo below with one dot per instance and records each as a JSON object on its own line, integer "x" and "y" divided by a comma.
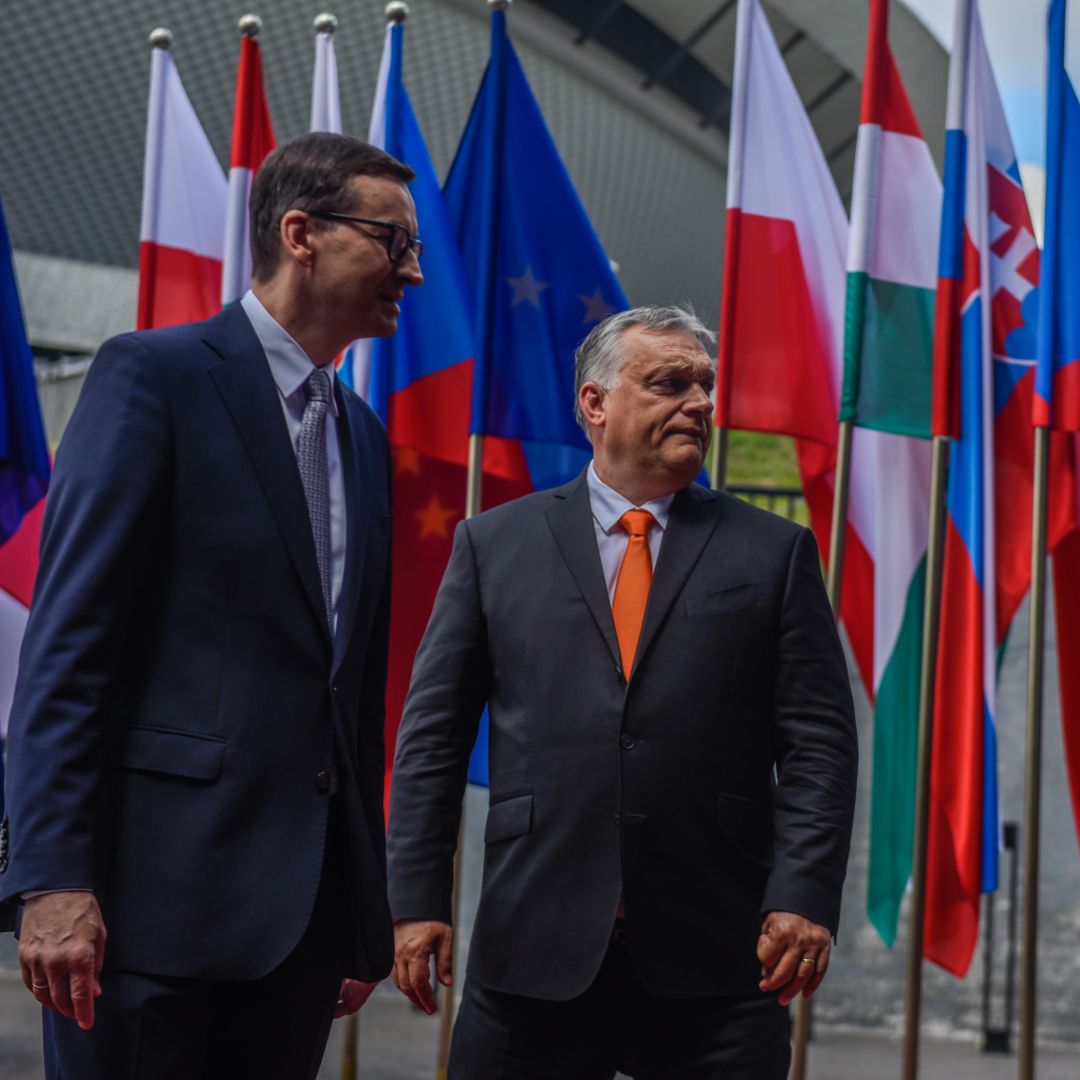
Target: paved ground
{"x": 398, "y": 1043}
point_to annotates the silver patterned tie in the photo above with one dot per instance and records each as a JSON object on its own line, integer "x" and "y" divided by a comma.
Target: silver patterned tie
{"x": 311, "y": 458}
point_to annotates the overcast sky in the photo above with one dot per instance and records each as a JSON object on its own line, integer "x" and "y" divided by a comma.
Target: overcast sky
{"x": 1016, "y": 39}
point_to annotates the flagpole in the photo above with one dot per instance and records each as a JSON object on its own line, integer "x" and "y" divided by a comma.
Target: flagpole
{"x": 473, "y": 485}
{"x": 1029, "y": 933}
{"x": 928, "y": 670}
{"x": 833, "y": 582}
{"x": 447, "y": 1003}
{"x": 718, "y": 458}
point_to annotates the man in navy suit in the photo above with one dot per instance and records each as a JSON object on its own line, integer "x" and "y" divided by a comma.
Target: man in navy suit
{"x": 196, "y": 744}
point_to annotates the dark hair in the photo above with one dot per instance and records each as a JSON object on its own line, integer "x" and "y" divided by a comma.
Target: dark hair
{"x": 311, "y": 172}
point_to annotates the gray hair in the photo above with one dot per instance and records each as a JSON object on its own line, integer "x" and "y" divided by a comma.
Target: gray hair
{"x": 599, "y": 357}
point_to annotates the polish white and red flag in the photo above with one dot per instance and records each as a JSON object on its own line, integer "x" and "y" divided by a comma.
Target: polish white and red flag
{"x": 252, "y": 140}
{"x": 182, "y": 235}
{"x": 782, "y": 322}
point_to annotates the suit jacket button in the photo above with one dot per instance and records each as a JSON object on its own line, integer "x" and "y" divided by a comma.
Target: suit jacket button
{"x": 627, "y": 742}
{"x": 322, "y": 781}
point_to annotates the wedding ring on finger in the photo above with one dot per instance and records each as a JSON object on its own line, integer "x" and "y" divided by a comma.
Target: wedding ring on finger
{"x": 808, "y": 960}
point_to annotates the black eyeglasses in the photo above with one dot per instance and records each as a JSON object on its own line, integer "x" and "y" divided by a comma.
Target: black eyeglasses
{"x": 398, "y": 241}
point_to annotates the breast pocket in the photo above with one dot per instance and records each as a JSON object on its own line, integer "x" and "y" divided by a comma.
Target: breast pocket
{"x": 160, "y": 750}
{"x": 721, "y": 601}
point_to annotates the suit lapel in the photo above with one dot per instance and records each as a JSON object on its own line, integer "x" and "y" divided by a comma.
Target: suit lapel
{"x": 692, "y": 521}
{"x": 357, "y": 519}
{"x": 243, "y": 380}
{"x": 571, "y": 523}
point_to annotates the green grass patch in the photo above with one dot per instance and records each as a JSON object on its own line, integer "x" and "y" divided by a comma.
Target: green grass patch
{"x": 762, "y": 459}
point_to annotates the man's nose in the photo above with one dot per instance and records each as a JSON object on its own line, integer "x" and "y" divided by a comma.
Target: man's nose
{"x": 699, "y": 401}
{"x": 408, "y": 269}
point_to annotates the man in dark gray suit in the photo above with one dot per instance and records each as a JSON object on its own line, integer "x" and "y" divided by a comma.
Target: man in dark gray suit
{"x": 673, "y": 756}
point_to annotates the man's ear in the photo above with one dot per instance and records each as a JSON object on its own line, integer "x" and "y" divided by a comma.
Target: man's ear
{"x": 592, "y": 398}
{"x": 295, "y": 233}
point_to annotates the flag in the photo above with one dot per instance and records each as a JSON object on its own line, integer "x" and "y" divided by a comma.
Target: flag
{"x": 325, "y": 97}
{"x": 1057, "y": 373}
{"x": 888, "y": 355}
{"x": 984, "y": 355}
{"x": 24, "y": 479}
{"x": 253, "y": 139}
{"x": 18, "y": 571}
{"x": 539, "y": 276}
{"x": 182, "y": 234}
{"x": 421, "y": 384}
{"x": 354, "y": 362}
{"x": 782, "y": 313}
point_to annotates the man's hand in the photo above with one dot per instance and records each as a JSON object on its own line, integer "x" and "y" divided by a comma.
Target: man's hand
{"x": 352, "y": 995}
{"x": 794, "y": 955}
{"x": 414, "y": 942}
{"x": 61, "y": 950}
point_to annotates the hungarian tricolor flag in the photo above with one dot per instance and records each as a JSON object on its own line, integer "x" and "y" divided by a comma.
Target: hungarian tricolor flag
{"x": 252, "y": 140}
{"x": 1057, "y": 376}
{"x": 782, "y": 317}
{"x": 984, "y": 353}
{"x": 888, "y": 354}
{"x": 182, "y": 235}
{"x": 421, "y": 384}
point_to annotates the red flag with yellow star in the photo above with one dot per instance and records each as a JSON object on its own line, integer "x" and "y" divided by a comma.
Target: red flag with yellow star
{"x": 421, "y": 384}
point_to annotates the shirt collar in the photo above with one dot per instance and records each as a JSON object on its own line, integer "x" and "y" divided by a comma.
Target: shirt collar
{"x": 608, "y": 505}
{"x": 290, "y": 366}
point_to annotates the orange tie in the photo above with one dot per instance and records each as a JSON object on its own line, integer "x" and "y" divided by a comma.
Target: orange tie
{"x": 632, "y": 586}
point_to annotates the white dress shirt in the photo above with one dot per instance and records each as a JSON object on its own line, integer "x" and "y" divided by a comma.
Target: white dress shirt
{"x": 611, "y": 538}
{"x": 290, "y": 367}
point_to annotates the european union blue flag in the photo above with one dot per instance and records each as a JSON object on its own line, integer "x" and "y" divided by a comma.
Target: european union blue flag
{"x": 24, "y": 453}
{"x": 539, "y": 276}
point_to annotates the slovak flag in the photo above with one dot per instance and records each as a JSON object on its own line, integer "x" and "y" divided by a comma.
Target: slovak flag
{"x": 984, "y": 356}
{"x": 1057, "y": 374}
{"x": 182, "y": 234}
{"x": 252, "y": 140}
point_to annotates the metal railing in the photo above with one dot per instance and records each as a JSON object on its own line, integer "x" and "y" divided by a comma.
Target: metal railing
{"x": 788, "y": 502}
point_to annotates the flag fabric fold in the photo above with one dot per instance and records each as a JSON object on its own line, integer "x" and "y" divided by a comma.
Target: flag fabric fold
{"x": 182, "y": 232}
{"x": 1056, "y": 400}
{"x": 888, "y": 354}
{"x": 781, "y": 363}
{"x": 252, "y": 140}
